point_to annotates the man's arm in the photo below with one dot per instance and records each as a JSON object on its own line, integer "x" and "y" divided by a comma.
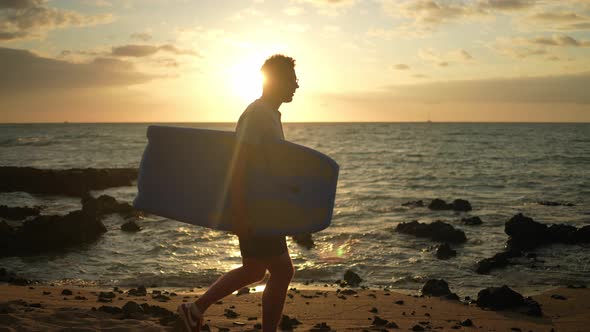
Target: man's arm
{"x": 237, "y": 188}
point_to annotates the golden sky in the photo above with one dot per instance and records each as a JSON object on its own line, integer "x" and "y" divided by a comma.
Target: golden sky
{"x": 357, "y": 60}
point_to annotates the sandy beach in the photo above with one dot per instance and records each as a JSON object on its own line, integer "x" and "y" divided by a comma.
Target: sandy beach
{"x": 47, "y": 308}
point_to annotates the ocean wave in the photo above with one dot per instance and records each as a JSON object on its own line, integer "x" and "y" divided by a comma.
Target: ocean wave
{"x": 26, "y": 141}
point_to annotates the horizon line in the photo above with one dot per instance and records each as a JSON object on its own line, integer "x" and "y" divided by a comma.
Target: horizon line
{"x": 298, "y": 122}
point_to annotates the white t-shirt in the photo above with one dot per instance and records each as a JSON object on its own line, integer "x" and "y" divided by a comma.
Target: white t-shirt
{"x": 259, "y": 123}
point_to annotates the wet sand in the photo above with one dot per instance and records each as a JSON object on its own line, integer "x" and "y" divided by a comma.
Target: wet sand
{"x": 44, "y": 308}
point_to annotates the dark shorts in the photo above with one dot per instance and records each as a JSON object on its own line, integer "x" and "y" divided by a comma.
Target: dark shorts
{"x": 262, "y": 246}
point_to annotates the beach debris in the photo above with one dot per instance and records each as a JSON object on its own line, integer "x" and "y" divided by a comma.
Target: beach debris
{"x": 437, "y": 287}
{"x": 418, "y": 203}
{"x": 18, "y": 213}
{"x": 243, "y": 291}
{"x": 436, "y": 231}
{"x": 305, "y": 240}
{"x": 288, "y": 323}
{"x": 81, "y": 298}
{"x": 438, "y": 204}
{"x": 351, "y": 278}
{"x": 444, "y": 251}
{"x": 321, "y": 327}
{"x": 551, "y": 203}
{"x": 130, "y": 226}
{"x": 378, "y": 321}
{"x": 230, "y": 313}
{"x": 499, "y": 298}
{"x": 558, "y": 297}
{"x": 472, "y": 221}
{"x": 68, "y": 182}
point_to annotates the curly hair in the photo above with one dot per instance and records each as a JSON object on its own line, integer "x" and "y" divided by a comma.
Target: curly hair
{"x": 277, "y": 66}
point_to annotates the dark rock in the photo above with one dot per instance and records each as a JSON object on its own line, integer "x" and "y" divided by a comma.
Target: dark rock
{"x": 45, "y": 233}
{"x": 18, "y": 213}
{"x": 374, "y": 310}
{"x": 305, "y": 240}
{"x": 230, "y": 313}
{"x": 70, "y": 182}
{"x": 561, "y": 233}
{"x": 378, "y": 321}
{"x": 161, "y": 298}
{"x": 287, "y": 323}
{"x": 558, "y": 297}
{"x": 321, "y": 327}
{"x": 81, "y": 298}
{"x": 436, "y": 287}
{"x": 525, "y": 233}
{"x": 419, "y": 203}
{"x": 466, "y": 322}
{"x": 132, "y": 307}
{"x": 550, "y": 203}
{"x": 399, "y": 302}
{"x": 461, "y": 205}
{"x": 471, "y": 221}
{"x": 106, "y": 204}
{"x": 351, "y": 278}
{"x": 583, "y": 234}
{"x": 140, "y": 291}
{"x": 436, "y": 231}
{"x": 391, "y": 325}
{"x": 439, "y": 204}
{"x": 66, "y": 292}
{"x": 243, "y": 291}
{"x": 130, "y": 226}
{"x": 457, "y": 205}
{"x": 111, "y": 310}
{"x": 499, "y": 260}
{"x": 444, "y": 251}
{"x": 417, "y": 328}
{"x": 499, "y": 298}
{"x": 532, "y": 307}
{"x": 452, "y": 297}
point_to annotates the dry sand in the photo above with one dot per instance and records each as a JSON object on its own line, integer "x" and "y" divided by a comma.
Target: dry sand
{"x": 26, "y": 308}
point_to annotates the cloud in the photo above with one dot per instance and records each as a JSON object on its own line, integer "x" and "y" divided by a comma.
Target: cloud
{"x": 26, "y": 72}
{"x": 134, "y": 50}
{"x": 443, "y": 64}
{"x": 568, "y": 88}
{"x": 505, "y": 5}
{"x": 401, "y": 66}
{"x": 425, "y": 16}
{"x": 560, "y": 40}
{"x": 560, "y": 20}
{"x": 31, "y": 19}
{"x": 142, "y": 36}
{"x": 519, "y": 48}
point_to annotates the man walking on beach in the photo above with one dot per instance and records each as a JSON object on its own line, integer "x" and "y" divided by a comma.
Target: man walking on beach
{"x": 259, "y": 123}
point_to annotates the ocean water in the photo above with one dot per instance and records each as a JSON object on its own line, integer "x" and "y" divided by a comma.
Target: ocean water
{"x": 502, "y": 169}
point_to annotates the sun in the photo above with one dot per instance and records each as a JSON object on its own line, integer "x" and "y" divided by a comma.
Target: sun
{"x": 246, "y": 79}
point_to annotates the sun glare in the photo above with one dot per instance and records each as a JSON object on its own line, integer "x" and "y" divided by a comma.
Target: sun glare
{"x": 247, "y": 80}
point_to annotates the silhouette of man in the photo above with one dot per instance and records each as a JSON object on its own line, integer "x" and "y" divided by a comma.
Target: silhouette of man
{"x": 259, "y": 123}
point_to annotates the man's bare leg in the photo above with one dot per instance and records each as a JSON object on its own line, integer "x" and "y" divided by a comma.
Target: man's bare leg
{"x": 273, "y": 299}
{"x": 250, "y": 272}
